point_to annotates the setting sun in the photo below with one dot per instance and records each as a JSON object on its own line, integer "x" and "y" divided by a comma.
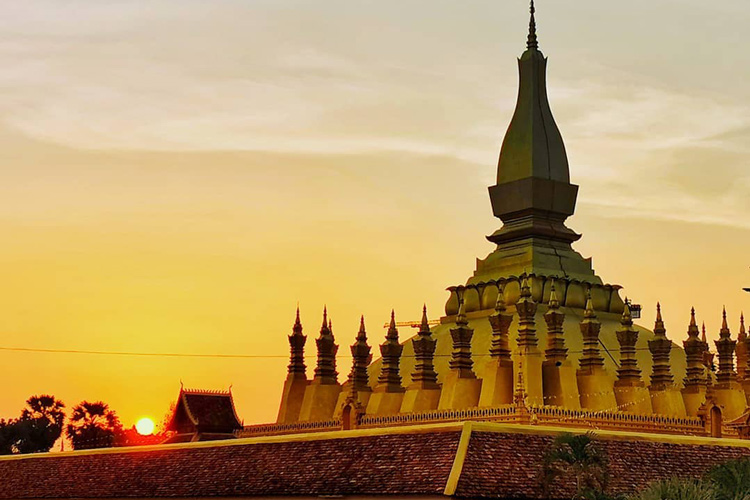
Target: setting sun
{"x": 145, "y": 426}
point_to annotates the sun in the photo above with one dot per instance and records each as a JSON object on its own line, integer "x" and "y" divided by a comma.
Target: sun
{"x": 145, "y": 426}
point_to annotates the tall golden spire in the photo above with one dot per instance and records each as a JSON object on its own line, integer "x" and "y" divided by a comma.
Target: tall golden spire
{"x": 500, "y": 323}
{"x": 424, "y": 374}
{"x": 590, "y": 327}
{"x": 361, "y": 360}
{"x": 390, "y": 350}
{"x": 661, "y": 348}
{"x": 725, "y": 347}
{"x": 532, "y": 42}
{"x": 695, "y": 349}
{"x": 325, "y": 371}
{"x": 627, "y": 336}
{"x": 556, "y": 350}
{"x": 297, "y": 341}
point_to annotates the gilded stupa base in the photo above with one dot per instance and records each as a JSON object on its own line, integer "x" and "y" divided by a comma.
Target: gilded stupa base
{"x": 668, "y": 401}
{"x": 421, "y": 398}
{"x": 560, "y": 384}
{"x": 459, "y": 392}
{"x": 291, "y": 398}
{"x": 528, "y": 362}
{"x": 319, "y": 402}
{"x": 633, "y": 398}
{"x": 732, "y": 400}
{"x": 595, "y": 389}
{"x": 383, "y": 402}
{"x": 497, "y": 383}
{"x": 693, "y": 397}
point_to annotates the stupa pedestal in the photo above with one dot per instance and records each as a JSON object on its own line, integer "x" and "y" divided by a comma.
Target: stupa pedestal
{"x": 633, "y": 398}
{"x": 363, "y": 396}
{"x": 319, "y": 402}
{"x": 529, "y": 366}
{"x": 595, "y": 389}
{"x": 497, "y": 383}
{"x": 693, "y": 398}
{"x": 459, "y": 392}
{"x": 731, "y": 398}
{"x": 419, "y": 397}
{"x": 560, "y": 384}
{"x": 382, "y": 402}
{"x": 668, "y": 401}
{"x": 292, "y": 397}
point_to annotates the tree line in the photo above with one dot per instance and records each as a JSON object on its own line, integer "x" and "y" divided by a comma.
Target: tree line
{"x": 43, "y": 421}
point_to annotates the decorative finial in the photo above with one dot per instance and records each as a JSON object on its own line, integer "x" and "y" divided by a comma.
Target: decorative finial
{"x": 589, "y": 311}
{"x": 703, "y": 336}
{"x": 742, "y": 322}
{"x": 554, "y": 303}
{"x": 525, "y": 288}
{"x": 532, "y": 42}
{"x": 659, "y": 328}
{"x": 692, "y": 317}
{"x": 362, "y": 335}
{"x": 724, "y": 324}
{"x": 330, "y": 325}
{"x": 425, "y": 326}
{"x": 325, "y": 316}
{"x": 500, "y": 304}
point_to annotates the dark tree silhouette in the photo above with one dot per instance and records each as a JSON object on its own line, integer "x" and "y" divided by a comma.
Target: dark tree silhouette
{"x": 94, "y": 425}
{"x": 8, "y": 437}
{"x": 40, "y": 425}
{"x": 576, "y": 457}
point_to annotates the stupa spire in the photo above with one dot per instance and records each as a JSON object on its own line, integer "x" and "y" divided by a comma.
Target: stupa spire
{"x": 661, "y": 348}
{"x": 325, "y": 371}
{"x": 532, "y": 42}
{"x": 556, "y": 350}
{"x": 627, "y": 336}
{"x": 725, "y": 346}
{"x": 424, "y": 375}
{"x": 361, "y": 360}
{"x": 297, "y": 341}
{"x": 500, "y": 323}
{"x": 390, "y": 350}
{"x": 695, "y": 349}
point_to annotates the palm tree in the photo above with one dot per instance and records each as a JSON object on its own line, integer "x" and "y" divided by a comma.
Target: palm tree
{"x": 94, "y": 425}
{"x": 677, "y": 489}
{"x": 577, "y": 456}
{"x": 731, "y": 480}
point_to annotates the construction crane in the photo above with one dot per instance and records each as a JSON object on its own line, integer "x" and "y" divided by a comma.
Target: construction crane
{"x": 413, "y": 324}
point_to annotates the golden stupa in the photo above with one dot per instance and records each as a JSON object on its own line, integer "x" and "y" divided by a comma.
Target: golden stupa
{"x": 534, "y": 335}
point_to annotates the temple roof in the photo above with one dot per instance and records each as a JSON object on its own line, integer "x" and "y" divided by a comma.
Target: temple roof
{"x": 470, "y": 459}
{"x": 204, "y": 412}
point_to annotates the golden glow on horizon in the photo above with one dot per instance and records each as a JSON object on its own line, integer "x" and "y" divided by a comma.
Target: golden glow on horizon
{"x": 145, "y": 426}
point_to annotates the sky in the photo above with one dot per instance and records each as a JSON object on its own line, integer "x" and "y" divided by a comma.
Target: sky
{"x": 177, "y": 175}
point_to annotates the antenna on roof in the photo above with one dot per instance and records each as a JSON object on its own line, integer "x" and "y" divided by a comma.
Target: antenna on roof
{"x": 532, "y": 42}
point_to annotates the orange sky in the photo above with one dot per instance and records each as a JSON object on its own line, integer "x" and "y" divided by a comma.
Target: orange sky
{"x": 177, "y": 179}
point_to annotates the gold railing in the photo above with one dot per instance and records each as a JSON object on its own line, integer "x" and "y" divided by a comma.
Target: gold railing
{"x": 534, "y": 415}
{"x": 292, "y": 428}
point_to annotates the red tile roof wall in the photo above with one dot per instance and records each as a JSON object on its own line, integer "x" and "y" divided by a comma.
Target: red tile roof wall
{"x": 504, "y": 465}
{"x": 375, "y": 465}
{"x": 498, "y": 464}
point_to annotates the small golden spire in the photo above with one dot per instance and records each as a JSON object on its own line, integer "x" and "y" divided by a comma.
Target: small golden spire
{"x": 392, "y": 330}
{"x": 692, "y": 317}
{"x": 425, "y": 326}
{"x": 500, "y": 304}
{"x": 554, "y": 303}
{"x": 703, "y": 336}
{"x": 589, "y": 311}
{"x": 461, "y": 318}
{"x": 742, "y": 335}
{"x": 659, "y": 329}
{"x": 362, "y": 334}
{"x": 325, "y": 316}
